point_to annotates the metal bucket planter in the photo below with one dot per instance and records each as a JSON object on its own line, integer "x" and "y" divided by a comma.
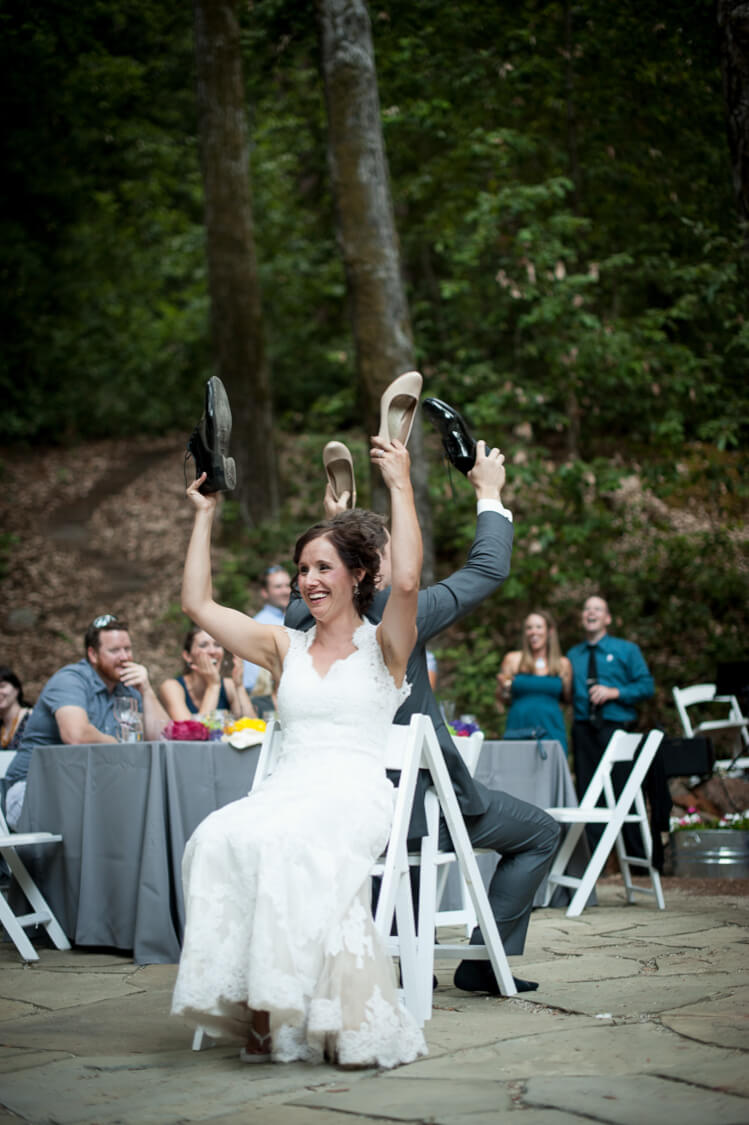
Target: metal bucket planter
{"x": 717, "y": 853}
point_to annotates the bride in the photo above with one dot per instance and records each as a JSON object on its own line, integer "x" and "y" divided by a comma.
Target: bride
{"x": 280, "y": 947}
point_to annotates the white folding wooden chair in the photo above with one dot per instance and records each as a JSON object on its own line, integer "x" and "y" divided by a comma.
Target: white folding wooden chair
{"x": 469, "y": 748}
{"x": 629, "y": 808}
{"x": 410, "y": 749}
{"x": 41, "y": 914}
{"x": 697, "y": 694}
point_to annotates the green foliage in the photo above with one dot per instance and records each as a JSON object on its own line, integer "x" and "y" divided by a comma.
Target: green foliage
{"x": 681, "y": 593}
{"x": 576, "y": 276}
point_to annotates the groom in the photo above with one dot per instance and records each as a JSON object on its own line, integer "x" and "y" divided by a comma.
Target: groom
{"x": 524, "y": 835}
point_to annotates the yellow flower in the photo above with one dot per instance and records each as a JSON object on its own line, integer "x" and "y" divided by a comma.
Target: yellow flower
{"x": 244, "y": 724}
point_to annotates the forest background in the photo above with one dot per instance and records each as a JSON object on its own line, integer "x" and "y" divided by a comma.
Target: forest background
{"x": 574, "y": 256}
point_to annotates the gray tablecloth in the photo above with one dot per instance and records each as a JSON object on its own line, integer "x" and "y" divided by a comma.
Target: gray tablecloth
{"x": 519, "y": 769}
{"x": 125, "y": 812}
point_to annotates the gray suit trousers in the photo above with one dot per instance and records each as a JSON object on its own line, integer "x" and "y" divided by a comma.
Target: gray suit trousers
{"x": 527, "y": 839}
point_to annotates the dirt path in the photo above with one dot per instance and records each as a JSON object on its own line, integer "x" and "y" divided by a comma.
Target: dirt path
{"x": 98, "y": 528}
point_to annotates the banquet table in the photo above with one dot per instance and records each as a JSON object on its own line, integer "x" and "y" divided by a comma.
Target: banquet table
{"x": 125, "y": 812}
{"x": 520, "y": 769}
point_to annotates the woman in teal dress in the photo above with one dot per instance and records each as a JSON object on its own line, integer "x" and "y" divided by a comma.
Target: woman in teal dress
{"x": 535, "y": 680}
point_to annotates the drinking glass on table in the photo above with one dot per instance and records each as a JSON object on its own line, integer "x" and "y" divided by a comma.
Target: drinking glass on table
{"x": 128, "y": 718}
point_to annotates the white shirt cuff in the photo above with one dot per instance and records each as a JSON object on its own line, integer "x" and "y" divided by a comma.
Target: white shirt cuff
{"x": 493, "y": 506}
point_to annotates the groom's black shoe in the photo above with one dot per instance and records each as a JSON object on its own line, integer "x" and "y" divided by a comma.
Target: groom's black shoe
{"x": 457, "y": 442}
{"x": 478, "y": 976}
{"x": 209, "y": 441}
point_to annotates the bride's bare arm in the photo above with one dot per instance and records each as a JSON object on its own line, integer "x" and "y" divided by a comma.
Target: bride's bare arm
{"x": 397, "y": 632}
{"x": 262, "y": 644}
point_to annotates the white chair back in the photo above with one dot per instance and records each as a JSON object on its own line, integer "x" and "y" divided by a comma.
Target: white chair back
{"x": 469, "y": 747}
{"x": 734, "y": 720}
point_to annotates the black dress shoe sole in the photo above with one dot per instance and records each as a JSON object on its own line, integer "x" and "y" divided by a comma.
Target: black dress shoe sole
{"x": 459, "y": 446}
{"x": 209, "y": 441}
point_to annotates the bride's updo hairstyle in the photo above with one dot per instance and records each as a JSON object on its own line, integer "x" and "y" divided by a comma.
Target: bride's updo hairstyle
{"x": 358, "y": 542}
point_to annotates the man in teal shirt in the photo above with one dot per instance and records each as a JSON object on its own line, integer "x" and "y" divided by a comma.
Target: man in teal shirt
{"x": 609, "y": 678}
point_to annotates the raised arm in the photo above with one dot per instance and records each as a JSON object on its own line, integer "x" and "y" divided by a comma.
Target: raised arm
{"x": 397, "y": 631}
{"x": 488, "y": 562}
{"x": 262, "y": 644}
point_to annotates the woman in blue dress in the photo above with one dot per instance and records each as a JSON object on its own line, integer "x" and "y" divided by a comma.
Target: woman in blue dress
{"x": 535, "y": 680}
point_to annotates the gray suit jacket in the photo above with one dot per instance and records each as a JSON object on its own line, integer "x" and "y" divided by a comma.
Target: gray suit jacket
{"x": 486, "y": 568}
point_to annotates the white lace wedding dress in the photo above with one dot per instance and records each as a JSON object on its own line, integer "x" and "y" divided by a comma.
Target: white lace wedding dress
{"x": 276, "y": 885}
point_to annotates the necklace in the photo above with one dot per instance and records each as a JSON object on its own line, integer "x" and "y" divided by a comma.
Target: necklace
{"x": 540, "y": 662}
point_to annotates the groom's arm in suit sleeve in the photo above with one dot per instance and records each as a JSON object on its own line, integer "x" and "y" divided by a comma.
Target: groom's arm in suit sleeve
{"x": 488, "y": 562}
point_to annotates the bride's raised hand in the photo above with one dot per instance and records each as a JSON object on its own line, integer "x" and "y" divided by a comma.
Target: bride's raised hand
{"x": 393, "y": 461}
{"x": 201, "y": 502}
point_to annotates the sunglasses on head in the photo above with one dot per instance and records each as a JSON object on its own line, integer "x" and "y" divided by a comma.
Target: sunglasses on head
{"x": 104, "y": 620}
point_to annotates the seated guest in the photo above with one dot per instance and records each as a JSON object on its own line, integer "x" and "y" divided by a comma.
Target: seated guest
{"x": 276, "y": 591}
{"x": 76, "y": 705}
{"x": 14, "y": 710}
{"x": 535, "y": 679}
{"x": 264, "y": 696}
{"x": 201, "y": 689}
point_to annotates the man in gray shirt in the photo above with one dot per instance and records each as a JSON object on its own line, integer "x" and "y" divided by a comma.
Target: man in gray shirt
{"x": 76, "y": 705}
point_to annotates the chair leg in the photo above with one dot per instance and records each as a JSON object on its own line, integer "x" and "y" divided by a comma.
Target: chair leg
{"x": 409, "y": 952}
{"x": 39, "y": 903}
{"x": 593, "y": 870}
{"x": 16, "y": 932}
{"x": 562, "y": 858}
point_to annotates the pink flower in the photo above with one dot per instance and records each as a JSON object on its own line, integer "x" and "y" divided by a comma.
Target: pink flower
{"x": 187, "y": 730}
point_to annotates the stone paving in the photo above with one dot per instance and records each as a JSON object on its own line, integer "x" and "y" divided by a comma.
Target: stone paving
{"x": 641, "y": 1019}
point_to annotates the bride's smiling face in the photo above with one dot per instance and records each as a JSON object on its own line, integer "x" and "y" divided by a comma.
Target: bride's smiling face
{"x": 325, "y": 583}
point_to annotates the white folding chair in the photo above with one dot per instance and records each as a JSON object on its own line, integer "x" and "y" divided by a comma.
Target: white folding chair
{"x": 629, "y": 808}
{"x": 697, "y": 694}
{"x": 41, "y": 914}
{"x": 410, "y": 749}
{"x": 469, "y": 748}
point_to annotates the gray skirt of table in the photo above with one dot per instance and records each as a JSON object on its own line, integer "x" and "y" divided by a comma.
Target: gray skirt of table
{"x": 125, "y": 812}
{"x": 520, "y": 769}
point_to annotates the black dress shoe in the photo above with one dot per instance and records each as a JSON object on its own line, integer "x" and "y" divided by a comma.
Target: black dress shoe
{"x": 209, "y": 442}
{"x": 456, "y": 439}
{"x": 478, "y": 976}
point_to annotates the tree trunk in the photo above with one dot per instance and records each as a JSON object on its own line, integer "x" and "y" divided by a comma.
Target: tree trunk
{"x": 236, "y": 311}
{"x": 733, "y": 24}
{"x": 366, "y": 230}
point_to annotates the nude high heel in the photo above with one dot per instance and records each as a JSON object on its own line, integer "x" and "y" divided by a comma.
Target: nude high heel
{"x": 398, "y": 407}
{"x": 339, "y": 467}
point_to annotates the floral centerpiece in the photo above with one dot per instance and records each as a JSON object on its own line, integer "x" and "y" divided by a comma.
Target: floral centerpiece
{"x": 693, "y": 820}
{"x": 461, "y": 729}
{"x": 244, "y": 732}
{"x": 239, "y": 733}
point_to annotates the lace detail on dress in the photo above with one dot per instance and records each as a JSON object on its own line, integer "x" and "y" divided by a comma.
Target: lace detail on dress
{"x": 277, "y": 885}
